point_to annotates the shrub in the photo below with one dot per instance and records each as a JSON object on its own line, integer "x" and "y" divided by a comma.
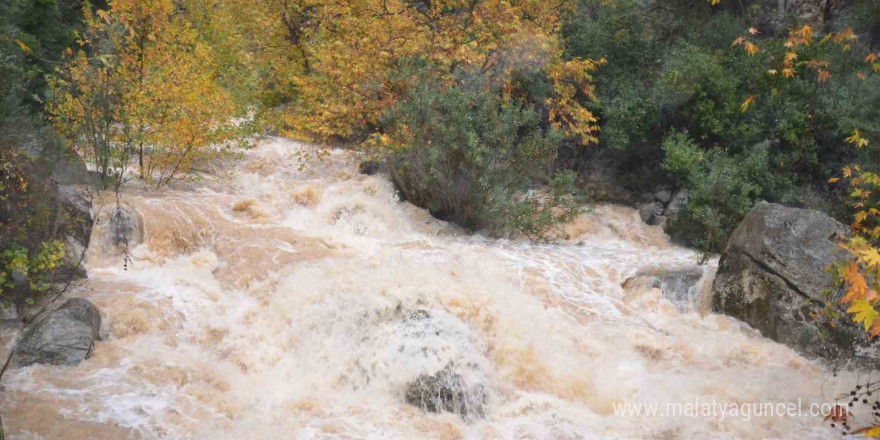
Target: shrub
{"x": 722, "y": 188}
{"x": 482, "y": 161}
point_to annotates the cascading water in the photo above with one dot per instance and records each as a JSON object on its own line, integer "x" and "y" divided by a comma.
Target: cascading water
{"x": 271, "y": 300}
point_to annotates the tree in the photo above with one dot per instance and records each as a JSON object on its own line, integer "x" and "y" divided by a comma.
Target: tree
{"x": 144, "y": 84}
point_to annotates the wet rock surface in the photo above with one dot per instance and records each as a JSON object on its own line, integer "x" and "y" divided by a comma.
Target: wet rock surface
{"x": 447, "y": 390}
{"x": 66, "y": 336}
{"x": 680, "y": 285}
{"x": 773, "y": 271}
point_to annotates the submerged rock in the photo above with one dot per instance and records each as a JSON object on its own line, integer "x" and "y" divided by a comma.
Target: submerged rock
{"x": 64, "y": 337}
{"x": 772, "y": 274}
{"x": 123, "y": 228}
{"x": 446, "y": 390}
{"x": 680, "y": 285}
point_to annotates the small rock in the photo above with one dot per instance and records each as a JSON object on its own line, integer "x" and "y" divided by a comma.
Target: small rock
{"x": 124, "y": 228}
{"x": 649, "y": 210}
{"x": 8, "y": 312}
{"x": 657, "y": 220}
{"x": 64, "y": 337}
{"x": 370, "y": 167}
{"x": 680, "y": 285}
{"x": 446, "y": 390}
{"x": 663, "y": 195}
{"x": 679, "y": 202}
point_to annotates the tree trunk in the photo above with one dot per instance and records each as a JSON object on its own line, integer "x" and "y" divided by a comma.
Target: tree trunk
{"x": 826, "y": 13}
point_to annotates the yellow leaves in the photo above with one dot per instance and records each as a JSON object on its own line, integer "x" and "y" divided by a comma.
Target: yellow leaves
{"x": 864, "y": 313}
{"x": 869, "y": 256}
{"x": 754, "y": 31}
{"x": 745, "y": 104}
{"x": 104, "y": 15}
{"x": 870, "y": 431}
{"x": 750, "y": 48}
{"x": 806, "y": 34}
{"x": 22, "y": 46}
{"x": 569, "y": 79}
{"x": 834, "y": 180}
{"x": 857, "y": 140}
{"x": 788, "y": 72}
{"x": 773, "y": 72}
{"x": 167, "y": 105}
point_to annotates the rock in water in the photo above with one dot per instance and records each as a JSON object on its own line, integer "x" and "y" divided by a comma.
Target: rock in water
{"x": 446, "y": 390}
{"x": 125, "y": 227}
{"x": 680, "y": 285}
{"x": 773, "y": 268}
{"x": 64, "y": 337}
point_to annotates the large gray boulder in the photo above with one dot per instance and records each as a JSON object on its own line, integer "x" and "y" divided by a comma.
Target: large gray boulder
{"x": 65, "y": 336}
{"x": 772, "y": 275}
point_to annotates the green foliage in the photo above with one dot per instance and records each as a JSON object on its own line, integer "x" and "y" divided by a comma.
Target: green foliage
{"x": 722, "y": 188}
{"x": 34, "y": 271}
{"x": 480, "y": 160}
{"x": 671, "y": 69}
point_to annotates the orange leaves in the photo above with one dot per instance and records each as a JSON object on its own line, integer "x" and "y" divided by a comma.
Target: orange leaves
{"x": 838, "y": 414}
{"x": 871, "y": 57}
{"x": 750, "y": 48}
{"x": 745, "y": 104}
{"x": 754, "y": 31}
{"x": 823, "y": 75}
{"x": 860, "y": 275}
{"x": 856, "y": 282}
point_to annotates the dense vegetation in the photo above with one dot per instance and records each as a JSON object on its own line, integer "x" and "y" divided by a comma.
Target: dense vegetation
{"x": 496, "y": 115}
{"x": 701, "y": 96}
{"x": 33, "y": 35}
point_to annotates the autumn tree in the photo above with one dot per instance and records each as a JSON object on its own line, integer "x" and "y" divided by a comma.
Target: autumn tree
{"x": 144, "y": 85}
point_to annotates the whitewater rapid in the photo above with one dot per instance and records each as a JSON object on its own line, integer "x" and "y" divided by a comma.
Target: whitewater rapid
{"x": 286, "y": 295}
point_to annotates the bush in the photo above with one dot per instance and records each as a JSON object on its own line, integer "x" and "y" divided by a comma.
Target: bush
{"x": 478, "y": 160}
{"x": 672, "y": 69}
{"x": 722, "y": 188}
